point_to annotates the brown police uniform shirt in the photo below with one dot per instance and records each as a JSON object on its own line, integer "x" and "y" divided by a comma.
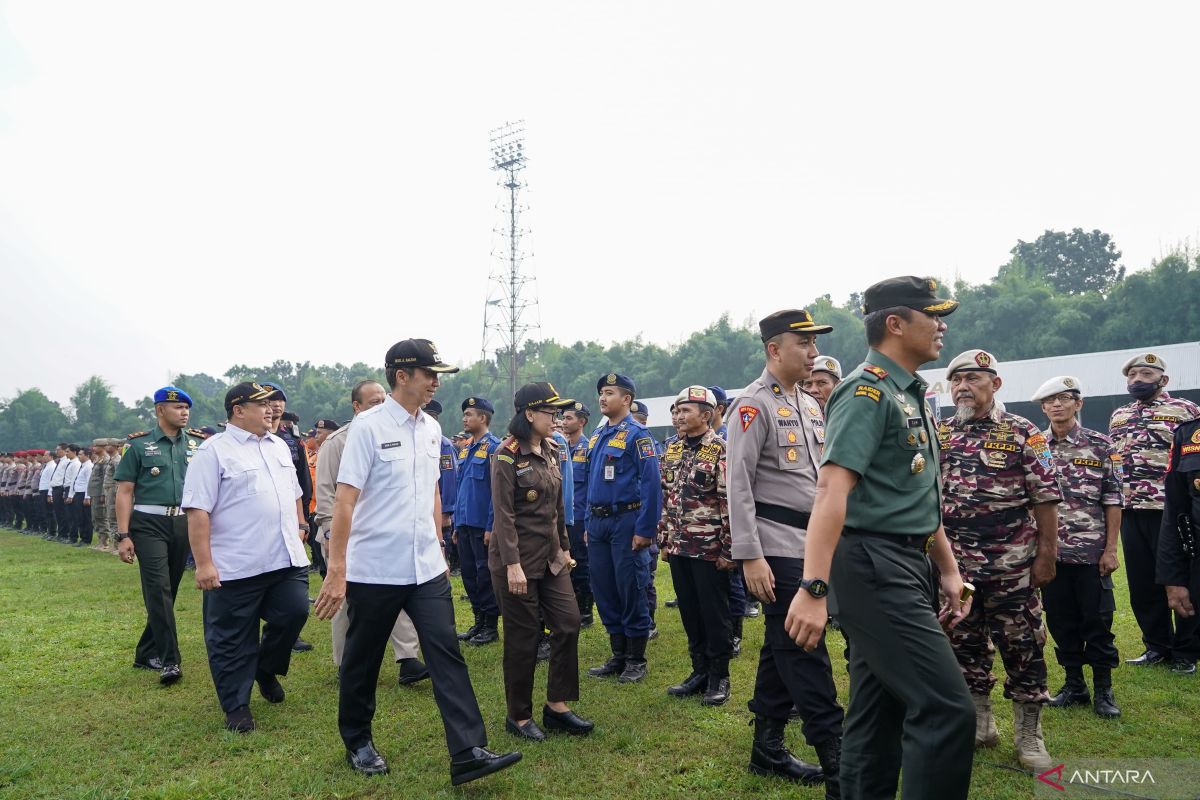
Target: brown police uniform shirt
{"x": 530, "y": 526}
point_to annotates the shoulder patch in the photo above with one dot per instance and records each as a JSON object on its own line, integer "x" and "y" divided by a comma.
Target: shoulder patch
{"x": 512, "y": 445}
{"x": 1041, "y": 449}
{"x": 138, "y": 435}
{"x": 863, "y": 390}
{"x": 747, "y": 414}
{"x": 502, "y": 457}
{"x": 645, "y": 447}
{"x": 879, "y": 372}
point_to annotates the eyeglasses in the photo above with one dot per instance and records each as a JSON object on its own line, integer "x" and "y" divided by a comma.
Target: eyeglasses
{"x": 1064, "y": 399}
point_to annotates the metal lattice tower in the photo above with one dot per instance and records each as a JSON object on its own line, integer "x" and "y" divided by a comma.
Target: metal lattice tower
{"x": 511, "y": 311}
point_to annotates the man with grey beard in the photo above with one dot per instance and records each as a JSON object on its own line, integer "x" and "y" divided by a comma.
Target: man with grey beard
{"x": 996, "y": 469}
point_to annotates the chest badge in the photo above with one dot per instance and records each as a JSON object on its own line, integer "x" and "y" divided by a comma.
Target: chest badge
{"x": 531, "y": 495}
{"x": 155, "y": 471}
{"x": 912, "y": 439}
{"x": 784, "y": 411}
{"x": 923, "y": 437}
{"x": 918, "y": 464}
{"x": 791, "y": 454}
{"x": 791, "y": 437}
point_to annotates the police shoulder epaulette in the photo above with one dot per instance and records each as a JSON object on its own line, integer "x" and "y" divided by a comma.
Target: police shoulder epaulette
{"x": 138, "y": 435}
{"x": 512, "y": 445}
{"x": 197, "y": 433}
{"x": 879, "y": 372}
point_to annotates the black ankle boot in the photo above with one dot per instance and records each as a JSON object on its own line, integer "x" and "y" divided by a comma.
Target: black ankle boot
{"x": 1074, "y": 692}
{"x": 474, "y": 629}
{"x": 616, "y": 664}
{"x": 829, "y": 752}
{"x": 1105, "y": 705}
{"x": 635, "y": 660}
{"x": 769, "y": 755}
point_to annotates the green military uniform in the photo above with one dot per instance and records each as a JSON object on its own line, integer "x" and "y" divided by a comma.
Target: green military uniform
{"x": 109, "y": 487}
{"x": 909, "y": 704}
{"x": 100, "y": 465}
{"x": 155, "y": 464}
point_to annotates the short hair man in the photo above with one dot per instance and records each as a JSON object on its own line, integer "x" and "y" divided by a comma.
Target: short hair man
{"x": 575, "y": 420}
{"x": 473, "y": 519}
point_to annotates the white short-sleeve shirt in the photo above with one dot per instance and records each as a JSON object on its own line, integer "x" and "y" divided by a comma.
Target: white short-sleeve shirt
{"x": 392, "y": 457}
{"x": 248, "y": 485}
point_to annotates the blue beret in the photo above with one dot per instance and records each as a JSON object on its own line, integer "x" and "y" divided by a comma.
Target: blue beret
{"x": 579, "y": 408}
{"x": 433, "y": 407}
{"x": 618, "y": 380}
{"x": 172, "y": 394}
{"x": 479, "y": 404}
{"x": 638, "y": 407}
{"x": 719, "y": 393}
{"x": 275, "y": 387}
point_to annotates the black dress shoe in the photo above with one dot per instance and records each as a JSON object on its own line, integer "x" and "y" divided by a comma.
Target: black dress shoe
{"x": 1105, "y": 705}
{"x": 692, "y": 684}
{"x": 1146, "y": 659}
{"x": 155, "y": 663}
{"x": 171, "y": 673}
{"x": 240, "y": 720}
{"x": 269, "y": 687}
{"x": 1183, "y": 666}
{"x": 672, "y": 603}
{"x": 366, "y": 760}
{"x": 1071, "y": 694}
{"x": 412, "y": 670}
{"x": 301, "y": 646}
{"x": 478, "y": 762}
{"x": 717, "y": 693}
{"x": 567, "y": 722}
{"x": 526, "y": 730}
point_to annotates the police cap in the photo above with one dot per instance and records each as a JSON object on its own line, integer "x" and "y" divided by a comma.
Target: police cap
{"x": 246, "y": 392}
{"x": 618, "y": 380}
{"x": 326, "y": 425}
{"x": 539, "y": 395}
{"x": 792, "y": 320}
{"x": 479, "y": 404}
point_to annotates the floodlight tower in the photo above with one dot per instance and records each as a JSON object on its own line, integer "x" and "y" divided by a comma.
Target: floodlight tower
{"x": 509, "y": 312}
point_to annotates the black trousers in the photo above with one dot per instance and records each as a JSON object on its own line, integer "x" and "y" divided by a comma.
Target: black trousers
{"x": 82, "y": 529}
{"x": 62, "y": 526}
{"x": 161, "y": 546}
{"x": 472, "y": 565}
{"x": 703, "y": 594}
{"x": 548, "y": 601}
{"x": 580, "y": 579}
{"x": 788, "y": 675}
{"x": 909, "y": 704}
{"x": 43, "y": 511}
{"x": 1139, "y": 542}
{"x": 236, "y": 653}
{"x": 372, "y": 614}
{"x": 1079, "y": 607}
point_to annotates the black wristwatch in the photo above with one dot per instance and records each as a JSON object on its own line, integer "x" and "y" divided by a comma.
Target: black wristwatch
{"x": 120, "y": 537}
{"x": 816, "y": 587}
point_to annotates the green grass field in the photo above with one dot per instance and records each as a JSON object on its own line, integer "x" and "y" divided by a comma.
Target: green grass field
{"x": 79, "y": 722}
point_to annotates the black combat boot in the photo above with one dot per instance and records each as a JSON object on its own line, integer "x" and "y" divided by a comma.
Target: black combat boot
{"x": 717, "y": 693}
{"x": 770, "y": 756}
{"x": 616, "y": 664}
{"x": 1105, "y": 705}
{"x": 737, "y": 637}
{"x": 584, "y": 601}
{"x": 488, "y": 632}
{"x": 635, "y": 660}
{"x": 1074, "y": 692}
{"x": 830, "y": 754}
{"x": 474, "y": 629}
{"x": 692, "y": 684}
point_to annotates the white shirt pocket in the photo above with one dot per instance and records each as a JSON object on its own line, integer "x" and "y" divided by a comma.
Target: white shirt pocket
{"x": 397, "y": 466}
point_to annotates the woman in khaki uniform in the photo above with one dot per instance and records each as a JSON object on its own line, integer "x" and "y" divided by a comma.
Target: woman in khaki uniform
{"x": 530, "y": 563}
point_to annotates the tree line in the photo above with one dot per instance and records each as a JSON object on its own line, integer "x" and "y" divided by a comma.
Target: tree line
{"x": 1064, "y": 292}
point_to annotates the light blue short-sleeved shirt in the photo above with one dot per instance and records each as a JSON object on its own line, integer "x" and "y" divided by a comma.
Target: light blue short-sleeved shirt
{"x": 248, "y": 486}
{"x": 393, "y": 457}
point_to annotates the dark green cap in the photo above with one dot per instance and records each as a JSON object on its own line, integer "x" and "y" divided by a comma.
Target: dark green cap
{"x": 910, "y": 291}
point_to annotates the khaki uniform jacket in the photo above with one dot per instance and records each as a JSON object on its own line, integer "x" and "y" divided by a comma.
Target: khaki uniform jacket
{"x": 329, "y": 459}
{"x": 776, "y": 436}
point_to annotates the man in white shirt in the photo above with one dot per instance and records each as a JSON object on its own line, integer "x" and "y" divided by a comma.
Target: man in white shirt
{"x": 44, "y": 499}
{"x": 246, "y": 529}
{"x": 385, "y": 558}
{"x": 58, "y": 492}
{"x": 71, "y": 531}
{"x": 78, "y": 499}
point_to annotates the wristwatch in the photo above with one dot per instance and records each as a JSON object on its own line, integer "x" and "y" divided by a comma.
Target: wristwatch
{"x": 120, "y": 537}
{"x": 816, "y": 587}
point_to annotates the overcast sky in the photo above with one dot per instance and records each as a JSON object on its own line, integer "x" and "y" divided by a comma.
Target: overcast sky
{"x": 184, "y": 187}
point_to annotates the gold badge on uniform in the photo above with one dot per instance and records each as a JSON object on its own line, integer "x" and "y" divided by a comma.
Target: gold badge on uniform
{"x": 918, "y": 464}
{"x": 784, "y": 411}
{"x": 531, "y": 495}
{"x": 923, "y": 437}
{"x": 791, "y": 437}
{"x": 912, "y": 439}
{"x": 791, "y": 454}
{"x": 155, "y": 471}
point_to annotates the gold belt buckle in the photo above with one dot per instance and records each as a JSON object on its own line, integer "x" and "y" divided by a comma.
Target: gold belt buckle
{"x": 928, "y": 543}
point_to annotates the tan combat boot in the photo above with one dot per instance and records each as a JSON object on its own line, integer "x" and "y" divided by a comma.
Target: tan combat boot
{"x": 986, "y": 734}
{"x": 1027, "y": 736}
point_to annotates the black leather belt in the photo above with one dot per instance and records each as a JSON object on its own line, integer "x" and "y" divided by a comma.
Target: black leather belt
{"x": 1006, "y": 517}
{"x": 600, "y": 512}
{"x": 782, "y": 514}
{"x": 917, "y": 541}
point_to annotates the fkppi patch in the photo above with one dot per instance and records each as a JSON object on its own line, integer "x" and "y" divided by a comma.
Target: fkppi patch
{"x": 747, "y": 414}
{"x": 1041, "y": 449}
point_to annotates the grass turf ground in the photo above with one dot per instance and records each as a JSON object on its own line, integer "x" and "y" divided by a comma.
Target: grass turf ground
{"x": 79, "y": 722}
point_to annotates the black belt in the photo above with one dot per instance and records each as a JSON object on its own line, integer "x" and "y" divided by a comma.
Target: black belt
{"x": 782, "y": 514}
{"x": 917, "y": 541}
{"x": 1006, "y": 517}
{"x": 600, "y": 512}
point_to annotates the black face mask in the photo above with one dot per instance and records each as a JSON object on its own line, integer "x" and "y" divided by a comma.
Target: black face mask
{"x": 1141, "y": 390}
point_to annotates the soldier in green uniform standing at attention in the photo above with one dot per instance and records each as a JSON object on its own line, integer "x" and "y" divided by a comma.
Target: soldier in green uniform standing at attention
{"x": 879, "y": 486}
{"x": 152, "y": 526}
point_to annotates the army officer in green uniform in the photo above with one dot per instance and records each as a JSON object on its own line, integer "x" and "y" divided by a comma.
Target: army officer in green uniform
{"x": 875, "y": 528}
{"x": 152, "y": 526}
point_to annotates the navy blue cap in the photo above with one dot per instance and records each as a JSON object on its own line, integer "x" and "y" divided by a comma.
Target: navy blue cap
{"x": 719, "y": 393}
{"x": 172, "y": 394}
{"x": 638, "y": 407}
{"x": 274, "y": 387}
{"x": 433, "y": 408}
{"x": 579, "y": 408}
{"x": 618, "y": 380}
{"x": 479, "y": 404}
{"x": 209, "y": 430}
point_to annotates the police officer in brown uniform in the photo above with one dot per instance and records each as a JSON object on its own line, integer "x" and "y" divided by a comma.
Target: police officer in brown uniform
{"x": 530, "y": 564}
